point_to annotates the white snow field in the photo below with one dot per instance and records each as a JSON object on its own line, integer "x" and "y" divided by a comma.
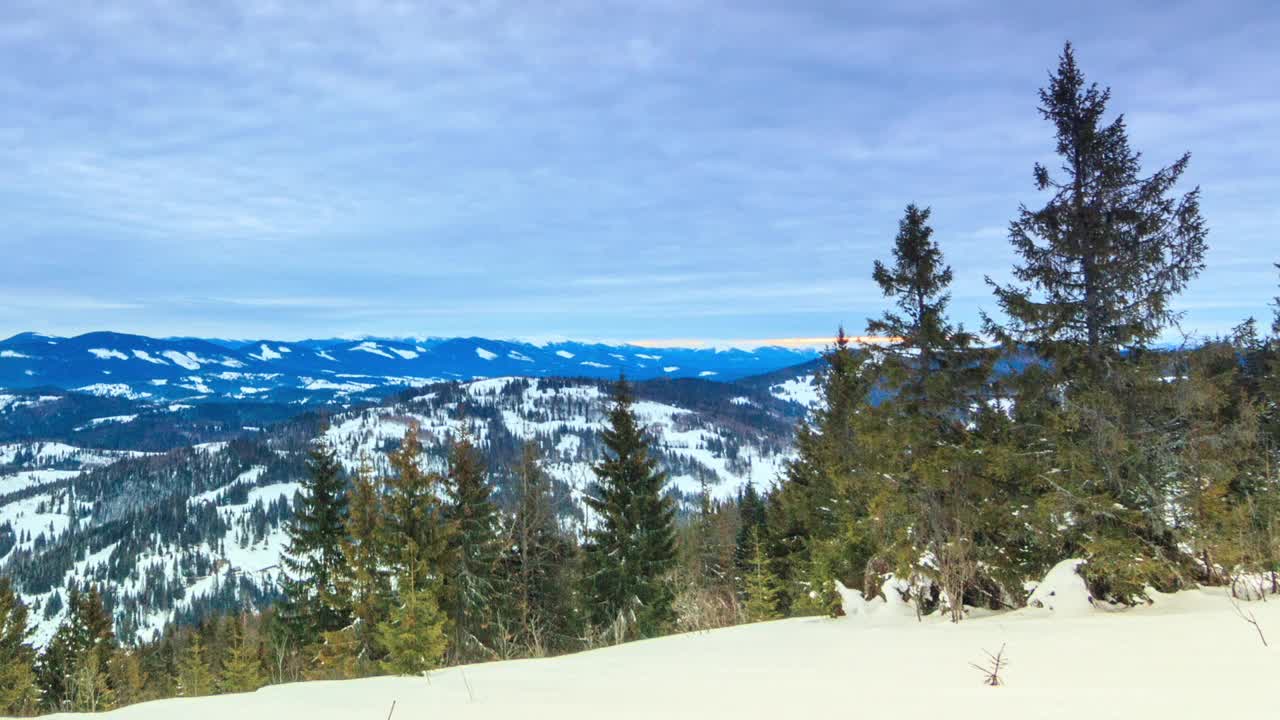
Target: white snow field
{"x": 1188, "y": 655}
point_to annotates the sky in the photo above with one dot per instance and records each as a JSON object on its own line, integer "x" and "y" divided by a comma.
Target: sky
{"x": 676, "y": 169}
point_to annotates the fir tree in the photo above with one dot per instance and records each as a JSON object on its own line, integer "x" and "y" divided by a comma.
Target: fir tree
{"x": 415, "y": 531}
{"x": 194, "y": 678}
{"x": 471, "y": 580}
{"x": 631, "y": 544}
{"x": 918, "y": 283}
{"x": 415, "y": 541}
{"x": 1102, "y": 260}
{"x": 1100, "y": 264}
{"x": 72, "y": 670}
{"x": 807, "y": 510}
{"x": 18, "y": 693}
{"x": 313, "y": 557}
{"x": 127, "y": 679}
{"x": 760, "y": 585}
{"x": 414, "y": 634}
{"x": 363, "y": 580}
{"x": 539, "y": 563}
{"x": 242, "y": 669}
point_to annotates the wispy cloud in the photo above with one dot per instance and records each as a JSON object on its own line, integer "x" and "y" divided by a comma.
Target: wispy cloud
{"x": 676, "y": 168}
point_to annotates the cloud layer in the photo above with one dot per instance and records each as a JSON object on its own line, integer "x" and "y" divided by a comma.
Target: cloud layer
{"x": 676, "y": 168}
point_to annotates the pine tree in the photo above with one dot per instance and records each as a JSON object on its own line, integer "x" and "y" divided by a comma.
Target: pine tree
{"x": 813, "y": 501}
{"x": 414, "y": 635}
{"x": 631, "y": 544}
{"x": 760, "y": 585}
{"x": 539, "y": 563}
{"x": 127, "y": 679}
{"x": 194, "y": 678}
{"x": 415, "y": 541}
{"x": 1104, "y": 257}
{"x": 471, "y": 590}
{"x": 415, "y": 532}
{"x": 18, "y": 693}
{"x": 1100, "y": 264}
{"x": 932, "y": 379}
{"x": 313, "y": 557}
{"x": 363, "y": 580}
{"x": 72, "y": 670}
{"x": 918, "y": 282}
{"x": 242, "y": 670}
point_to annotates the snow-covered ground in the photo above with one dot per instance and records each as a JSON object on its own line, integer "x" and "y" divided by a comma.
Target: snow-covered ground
{"x": 1187, "y": 656}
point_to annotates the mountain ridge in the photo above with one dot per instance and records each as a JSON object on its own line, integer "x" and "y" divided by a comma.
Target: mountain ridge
{"x": 335, "y": 370}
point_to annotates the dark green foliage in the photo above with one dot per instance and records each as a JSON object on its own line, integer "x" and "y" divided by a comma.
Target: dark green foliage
{"x": 1103, "y": 258}
{"x": 630, "y": 545}
{"x": 72, "y": 670}
{"x": 415, "y": 532}
{"x": 363, "y": 580}
{"x": 539, "y": 567}
{"x": 18, "y": 693}
{"x": 413, "y": 635}
{"x": 314, "y": 557}
{"x": 472, "y": 588}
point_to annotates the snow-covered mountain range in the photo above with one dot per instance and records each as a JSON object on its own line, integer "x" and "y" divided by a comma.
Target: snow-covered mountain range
{"x": 327, "y": 371}
{"x": 173, "y": 527}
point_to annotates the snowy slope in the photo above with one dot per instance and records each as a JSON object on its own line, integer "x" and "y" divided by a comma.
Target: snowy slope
{"x": 1188, "y": 656}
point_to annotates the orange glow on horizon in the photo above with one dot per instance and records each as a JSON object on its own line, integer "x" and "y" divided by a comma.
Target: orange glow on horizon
{"x": 765, "y": 342}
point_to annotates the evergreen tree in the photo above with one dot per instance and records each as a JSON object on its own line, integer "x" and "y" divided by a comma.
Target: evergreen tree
{"x": 72, "y": 670}
{"x": 127, "y": 679}
{"x": 414, "y": 634}
{"x": 1100, "y": 264}
{"x": 18, "y": 693}
{"x": 363, "y": 581}
{"x": 242, "y": 670}
{"x": 471, "y": 580}
{"x": 539, "y": 564}
{"x": 809, "y": 508}
{"x": 918, "y": 282}
{"x": 631, "y": 544}
{"x": 313, "y": 557}
{"x": 415, "y": 532}
{"x": 194, "y": 678}
{"x": 760, "y": 585}
{"x": 1104, "y": 257}
{"x": 415, "y": 541}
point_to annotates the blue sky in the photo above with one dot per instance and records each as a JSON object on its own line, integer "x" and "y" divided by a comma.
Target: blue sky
{"x": 652, "y": 169}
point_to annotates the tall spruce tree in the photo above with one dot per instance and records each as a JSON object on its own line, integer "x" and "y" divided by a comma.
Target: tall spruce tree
{"x": 630, "y": 545}
{"x": 364, "y": 581}
{"x": 1099, "y": 266}
{"x": 932, "y": 378}
{"x": 806, "y": 512}
{"x": 1102, "y": 259}
{"x": 917, "y": 281}
{"x": 415, "y": 530}
{"x": 313, "y": 558}
{"x": 242, "y": 668}
{"x": 72, "y": 670}
{"x": 194, "y": 676}
{"x": 18, "y": 692}
{"x": 471, "y": 583}
{"x": 415, "y": 541}
{"x": 539, "y": 563}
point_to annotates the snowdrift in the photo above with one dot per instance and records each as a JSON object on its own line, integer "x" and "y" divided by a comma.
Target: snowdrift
{"x": 1187, "y": 655}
